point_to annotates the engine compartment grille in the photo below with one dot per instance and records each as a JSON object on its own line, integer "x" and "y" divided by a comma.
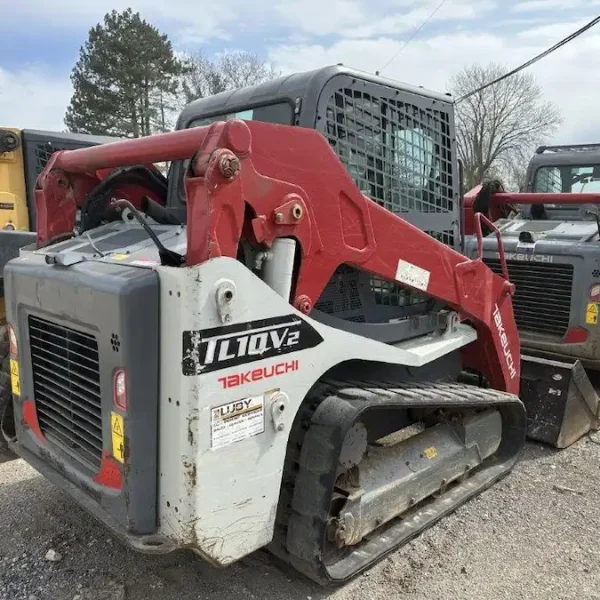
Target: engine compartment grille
{"x": 542, "y": 301}
{"x": 66, "y": 381}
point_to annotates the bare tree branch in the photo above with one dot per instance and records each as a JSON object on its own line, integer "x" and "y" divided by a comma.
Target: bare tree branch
{"x": 204, "y": 77}
{"x": 499, "y": 127}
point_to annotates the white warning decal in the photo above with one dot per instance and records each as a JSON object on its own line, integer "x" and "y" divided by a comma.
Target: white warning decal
{"x": 236, "y": 421}
{"x": 412, "y": 275}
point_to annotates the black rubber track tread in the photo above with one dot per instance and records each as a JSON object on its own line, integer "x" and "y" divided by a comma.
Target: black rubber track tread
{"x": 329, "y": 410}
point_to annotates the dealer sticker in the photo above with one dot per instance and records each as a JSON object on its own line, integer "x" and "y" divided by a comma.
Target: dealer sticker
{"x": 236, "y": 421}
{"x": 412, "y": 275}
{"x": 526, "y": 247}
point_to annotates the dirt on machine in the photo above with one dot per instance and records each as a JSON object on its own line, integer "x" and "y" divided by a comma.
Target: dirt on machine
{"x": 550, "y": 236}
{"x": 278, "y": 346}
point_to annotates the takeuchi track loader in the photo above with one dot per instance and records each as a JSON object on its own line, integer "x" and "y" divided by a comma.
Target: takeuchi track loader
{"x": 551, "y": 234}
{"x": 171, "y": 375}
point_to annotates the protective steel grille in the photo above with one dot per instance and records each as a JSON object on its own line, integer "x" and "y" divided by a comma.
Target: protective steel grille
{"x": 542, "y": 301}
{"x": 43, "y": 152}
{"x": 400, "y": 155}
{"x": 66, "y": 379}
{"x": 341, "y": 296}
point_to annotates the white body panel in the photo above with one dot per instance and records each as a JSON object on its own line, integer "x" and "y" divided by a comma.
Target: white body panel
{"x": 222, "y": 501}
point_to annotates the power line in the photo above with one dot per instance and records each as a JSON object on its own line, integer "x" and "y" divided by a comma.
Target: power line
{"x": 412, "y": 36}
{"x": 556, "y": 46}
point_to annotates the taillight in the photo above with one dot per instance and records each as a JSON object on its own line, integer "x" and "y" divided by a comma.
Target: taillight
{"x": 120, "y": 389}
{"x": 12, "y": 338}
{"x": 576, "y": 335}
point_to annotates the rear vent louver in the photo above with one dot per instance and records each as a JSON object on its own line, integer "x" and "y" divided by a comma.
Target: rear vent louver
{"x": 66, "y": 379}
{"x": 542, "y": 301}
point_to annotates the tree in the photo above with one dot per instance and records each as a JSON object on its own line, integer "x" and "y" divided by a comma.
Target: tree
{"x": 126, "y": 79}
{"x": 498, "y": 128}
{"x": 204, "y": 77}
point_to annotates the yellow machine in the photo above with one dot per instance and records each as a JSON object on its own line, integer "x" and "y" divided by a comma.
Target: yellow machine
{"x": 13, "y": 189}
{"x": 23, "y": 155}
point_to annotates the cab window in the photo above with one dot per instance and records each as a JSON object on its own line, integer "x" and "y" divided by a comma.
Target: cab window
{"x": 574, "y": 179}
{"x": 281, "y": 113}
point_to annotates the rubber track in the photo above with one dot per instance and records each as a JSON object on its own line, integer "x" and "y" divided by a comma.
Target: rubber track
{"x": 327, "y": 413}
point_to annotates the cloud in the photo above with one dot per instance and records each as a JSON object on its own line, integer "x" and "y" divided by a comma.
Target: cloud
{"x": 551, "y": 5}
{"x": 186, "y": 20}
{"x": 554, "y": 32}
{"x": 429, "y": 62}
{"x": 364, "y": 34}
{"x": 359, "y": 19}
{"x": 34, "y": 98}
{"x": 191, "y": 23}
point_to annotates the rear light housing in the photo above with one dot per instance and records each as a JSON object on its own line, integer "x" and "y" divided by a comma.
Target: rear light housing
{"x": 576, "y": 335}
{"x": 13, "y": 345}
{"x": 120, "y": 389}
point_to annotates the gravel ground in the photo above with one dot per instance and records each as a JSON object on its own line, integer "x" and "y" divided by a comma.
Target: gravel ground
{"x": 533, "y": 535}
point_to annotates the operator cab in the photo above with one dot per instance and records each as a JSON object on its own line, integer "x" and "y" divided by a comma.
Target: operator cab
{"x": 395, "y": 141}
{"x": 562, "y": 169}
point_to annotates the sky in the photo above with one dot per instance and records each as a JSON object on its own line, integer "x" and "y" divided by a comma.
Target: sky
{"x": 40, "y": 43}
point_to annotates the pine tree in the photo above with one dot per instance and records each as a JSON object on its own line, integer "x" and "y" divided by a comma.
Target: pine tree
{"x": 125, "y": 79}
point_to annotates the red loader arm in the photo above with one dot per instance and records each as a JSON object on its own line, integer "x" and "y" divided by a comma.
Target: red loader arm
{"x": 497, "y": 205}
{"x": 256, "y": 181}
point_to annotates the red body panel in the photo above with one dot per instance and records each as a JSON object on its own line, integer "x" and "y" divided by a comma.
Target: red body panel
{"x": 259, "y": 181}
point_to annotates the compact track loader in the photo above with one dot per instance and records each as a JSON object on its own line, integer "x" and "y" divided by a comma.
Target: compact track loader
{"x": 551, "y": 234}
{"x": 23, "y": 155}
{"x": 272, "y": 360}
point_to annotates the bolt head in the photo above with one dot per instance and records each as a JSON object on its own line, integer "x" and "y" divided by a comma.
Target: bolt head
{"x": 278, "y": 217}
{"x": 229, "y": 165}
{"x": 280, "y": 427}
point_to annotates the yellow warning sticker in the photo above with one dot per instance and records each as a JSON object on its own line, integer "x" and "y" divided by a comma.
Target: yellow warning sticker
{"x": 119, "y": 256}
{"x": 15, "y": 382}
{"x": 430, "y": 452}
{"x": 591, "y": 313}
{"x": 117, "y": 428}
